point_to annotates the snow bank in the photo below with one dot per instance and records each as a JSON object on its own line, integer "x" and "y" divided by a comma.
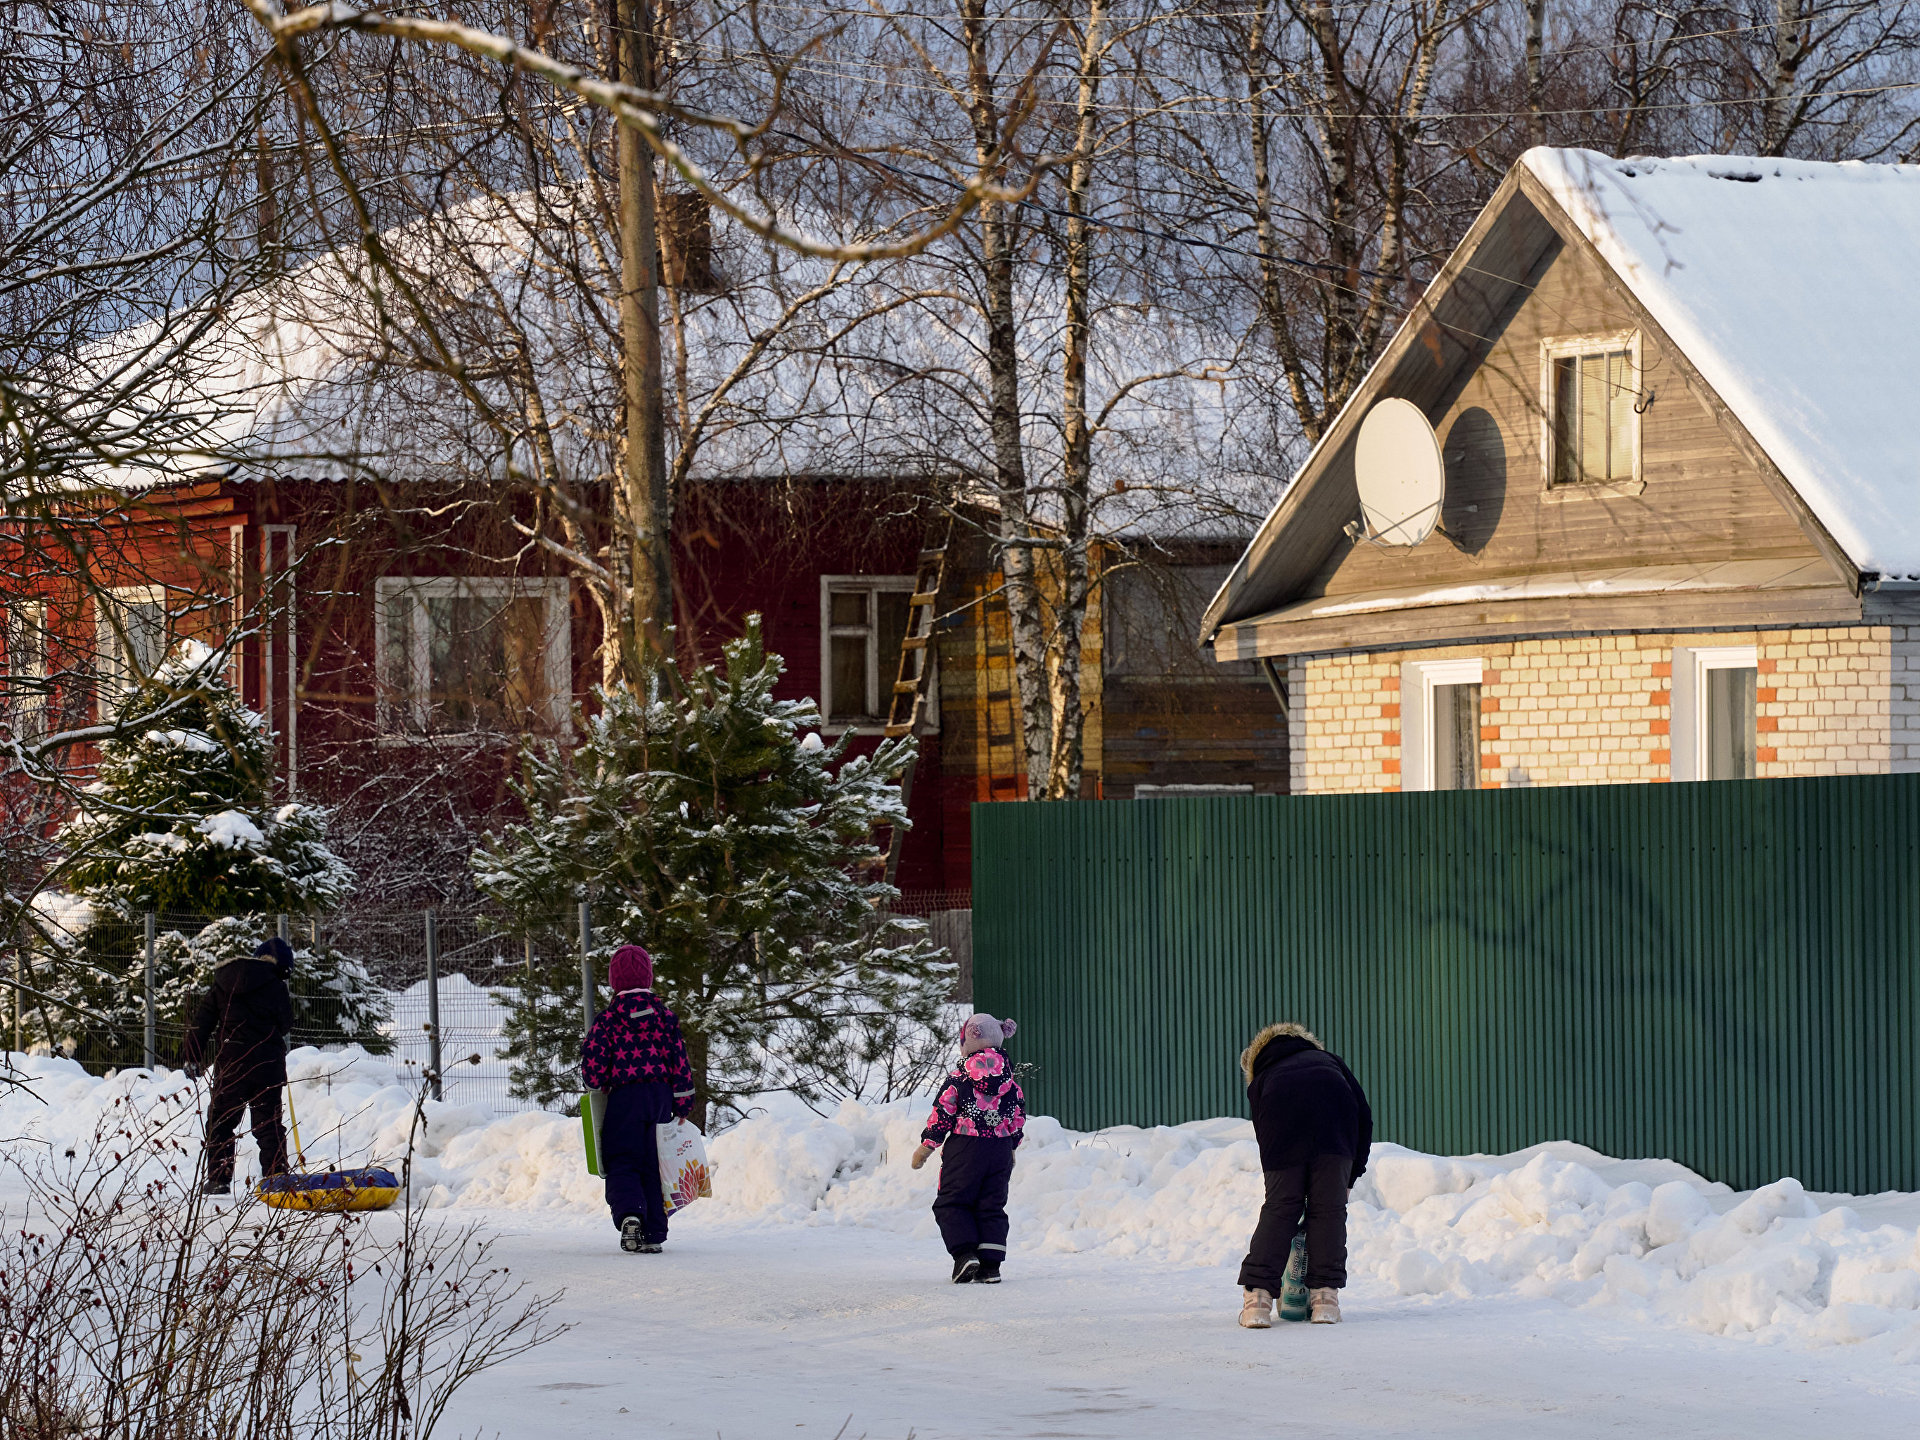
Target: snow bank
{"x": 1556, "y": 1221}
{"x": 352, "y": 1109}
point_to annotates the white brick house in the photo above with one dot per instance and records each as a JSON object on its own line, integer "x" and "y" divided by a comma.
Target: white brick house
{"x": 1723, "y": 581}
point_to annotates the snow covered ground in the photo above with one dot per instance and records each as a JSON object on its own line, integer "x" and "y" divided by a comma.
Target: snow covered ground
{"x": 1552, "y": 1292}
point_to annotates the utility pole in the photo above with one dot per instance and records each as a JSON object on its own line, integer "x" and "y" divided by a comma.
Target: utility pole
{"x": 643, "y": 506}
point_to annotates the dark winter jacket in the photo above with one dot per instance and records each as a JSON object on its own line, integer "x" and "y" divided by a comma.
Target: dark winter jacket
{"x": 1305, "y": 1102}
{"x": 635, "y": 1041}
{"x": 980, "y": 1097}
{"x": 243, "y": 1019}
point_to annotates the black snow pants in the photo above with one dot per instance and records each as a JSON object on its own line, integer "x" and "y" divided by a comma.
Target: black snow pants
{"x": 1320, "y": 1186}
{"x": 971, "y": 1208}
{"x": 237, "y": 1089}
{"x": 630, "y": 1155}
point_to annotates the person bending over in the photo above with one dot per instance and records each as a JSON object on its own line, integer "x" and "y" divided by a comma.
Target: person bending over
{"x": 1314, "y": 1127}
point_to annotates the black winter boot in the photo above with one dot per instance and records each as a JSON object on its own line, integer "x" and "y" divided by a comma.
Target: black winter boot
{"x": 988, "y": 1273}
{"x": 965, "y": 1267}
{"x": 632, "y": 1234}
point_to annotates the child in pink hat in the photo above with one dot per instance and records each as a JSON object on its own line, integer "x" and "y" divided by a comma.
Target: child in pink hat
{"x": 980, "y": 1114}
{"x": 635, "y": 1053}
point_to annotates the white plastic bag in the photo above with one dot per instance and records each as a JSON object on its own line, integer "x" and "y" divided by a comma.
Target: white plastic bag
{"x": 684, "y": 1176}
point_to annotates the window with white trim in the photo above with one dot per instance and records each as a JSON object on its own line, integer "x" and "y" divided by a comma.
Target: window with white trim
{"x": 1714, "y": 712}
{"x": 1440, "y": 724}
{"x": 28, "y": 668}
{"x": 863, "y": 619}
{"x": 131, "y": 639}
{"x": 464, "y": 655}
{"x": 1590, "y": 392}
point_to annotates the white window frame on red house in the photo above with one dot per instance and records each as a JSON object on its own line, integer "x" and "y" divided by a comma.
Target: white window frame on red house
{"x": 29, "y": 666}
{"x": 1419, "y": 680}
{"x": 402, "y": 712}
{"x": 882, "y": 670}
{"x": 1691, "y": 734}
{"x": 119, "y": 673}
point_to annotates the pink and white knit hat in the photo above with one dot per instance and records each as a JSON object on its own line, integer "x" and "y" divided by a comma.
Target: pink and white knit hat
{"x": 983, "y": 1032}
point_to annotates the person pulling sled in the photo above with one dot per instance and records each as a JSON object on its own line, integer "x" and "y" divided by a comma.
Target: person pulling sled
{"x": 1314, "y": 1128}
{"x": 635, "y": 1053}
{"x": 980, "y": 1114}
{"x": 240, "y": 1030}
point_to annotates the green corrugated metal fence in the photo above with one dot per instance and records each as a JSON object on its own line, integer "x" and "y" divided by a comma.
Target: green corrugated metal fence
{"x": 1724, "y": 974}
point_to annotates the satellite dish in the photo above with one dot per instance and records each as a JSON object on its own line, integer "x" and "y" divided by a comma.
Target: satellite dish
{"x": 1399, "y": 472}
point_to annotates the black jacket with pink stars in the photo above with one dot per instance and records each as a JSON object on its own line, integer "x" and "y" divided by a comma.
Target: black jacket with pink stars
{"x": 637, "y": 1041}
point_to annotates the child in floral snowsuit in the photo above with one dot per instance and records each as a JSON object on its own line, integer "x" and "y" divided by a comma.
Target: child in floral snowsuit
{"x": 980, "y": 1114}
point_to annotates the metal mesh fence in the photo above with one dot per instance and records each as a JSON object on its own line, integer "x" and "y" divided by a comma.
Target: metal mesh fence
{"x": 459, "y": 969}
{"x": 390, "y": 978}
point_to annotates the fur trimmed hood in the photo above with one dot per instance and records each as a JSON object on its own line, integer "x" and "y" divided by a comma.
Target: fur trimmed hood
{"x": 1285, "y": 1030}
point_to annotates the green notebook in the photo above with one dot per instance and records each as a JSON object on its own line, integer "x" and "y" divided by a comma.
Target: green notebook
{"x": 593, "y": 1114}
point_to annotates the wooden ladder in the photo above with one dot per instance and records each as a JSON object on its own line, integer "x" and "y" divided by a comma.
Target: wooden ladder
{"x": 908, "y": 703}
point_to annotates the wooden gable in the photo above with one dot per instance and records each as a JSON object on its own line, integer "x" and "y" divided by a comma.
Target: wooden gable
{"x": 1707, "y": 534}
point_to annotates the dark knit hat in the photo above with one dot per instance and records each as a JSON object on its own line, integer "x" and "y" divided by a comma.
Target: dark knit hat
{"x": 632, "y": 969}
{"x": 983, "y": 1032}
{"x": 278, "y": 951}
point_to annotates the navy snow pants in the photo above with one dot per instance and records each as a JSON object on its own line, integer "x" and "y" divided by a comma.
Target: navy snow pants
{"x": 238, "y": 1088}
{"x": 1320, "y": 1187}
{"x": 630, "y": 1156}
{"x": 971, "y": 1208}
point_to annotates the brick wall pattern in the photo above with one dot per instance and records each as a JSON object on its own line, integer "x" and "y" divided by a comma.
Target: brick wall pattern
{"x": 1597, "y": 709}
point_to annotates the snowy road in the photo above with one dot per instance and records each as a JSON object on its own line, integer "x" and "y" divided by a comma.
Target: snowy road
{"x": 748, "y": 1333}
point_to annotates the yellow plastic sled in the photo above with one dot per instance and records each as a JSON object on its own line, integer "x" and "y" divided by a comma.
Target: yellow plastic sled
{"x": 372, "y": 1187}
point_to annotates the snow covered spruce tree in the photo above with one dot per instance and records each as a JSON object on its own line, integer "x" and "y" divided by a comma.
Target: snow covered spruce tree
{"x": 180, "y": 821}
{"x": 706, "y": 820}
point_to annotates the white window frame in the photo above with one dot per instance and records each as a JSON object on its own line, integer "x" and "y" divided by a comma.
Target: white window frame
{"x": 558, "y": 650}
{"x": 115, "y": 668}
{"x": 1687, "y": 735}
{"x": 1418, "y": 680}
{"x": 1558, "y": 347}
{"x": 27, "y": 625}
{"x": 882, "y": 670}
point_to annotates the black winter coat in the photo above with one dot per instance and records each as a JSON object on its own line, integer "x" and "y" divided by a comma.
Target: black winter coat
{"x": 1305, "y": 1103}
{"x": 243, "y": 1020}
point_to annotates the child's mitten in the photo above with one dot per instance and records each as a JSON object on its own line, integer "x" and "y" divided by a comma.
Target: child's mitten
{"x": 920, "y": 1155}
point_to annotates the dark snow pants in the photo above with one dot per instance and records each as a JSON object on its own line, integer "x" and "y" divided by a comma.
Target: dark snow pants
{"x": 971, "y": 1208}
{"x": 235, "y": 1091}
{"x": 630, "y": 1155}
{"x": 1320, "y": 1186}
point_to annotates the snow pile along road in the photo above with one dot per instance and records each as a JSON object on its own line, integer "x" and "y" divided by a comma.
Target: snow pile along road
{"x": 1556, "y": 1221}
{"x": 353, "y": 1109}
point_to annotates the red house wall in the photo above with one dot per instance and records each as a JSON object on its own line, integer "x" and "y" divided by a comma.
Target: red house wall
{"x": 747, "y": 547}
{"x": 740, "y": 548}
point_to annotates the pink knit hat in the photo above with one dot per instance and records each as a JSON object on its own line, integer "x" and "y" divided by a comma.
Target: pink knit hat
{"x": 983, "y": 1032}
{"x": 632, "y": 969}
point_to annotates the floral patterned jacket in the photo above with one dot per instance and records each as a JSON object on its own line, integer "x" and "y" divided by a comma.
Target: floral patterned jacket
{"x": 980, "y": 1097}
{"x": 636, "y": 1041}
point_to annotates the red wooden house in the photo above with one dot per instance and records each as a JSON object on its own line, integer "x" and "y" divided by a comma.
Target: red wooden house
{"x": 403, "y": 632}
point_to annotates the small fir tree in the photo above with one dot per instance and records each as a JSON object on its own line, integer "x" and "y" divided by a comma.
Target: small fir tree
{"x": 180, "y": 821}
{"x": 707, "y": 821}
{"x": 180, "y": 818}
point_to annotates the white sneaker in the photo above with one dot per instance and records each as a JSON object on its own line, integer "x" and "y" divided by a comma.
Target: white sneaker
{"x": 1326, "y": 1306}
{"x": 1256, "y": 1310}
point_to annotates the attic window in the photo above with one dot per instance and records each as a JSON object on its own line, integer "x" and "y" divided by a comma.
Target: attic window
{"x": 1590, "y": 389}
{"x": 686, "y": 243}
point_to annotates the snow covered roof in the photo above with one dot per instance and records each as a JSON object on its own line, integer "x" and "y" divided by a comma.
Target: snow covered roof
{"x": 880, "y": 374}
{"x": 1791, "y": 286}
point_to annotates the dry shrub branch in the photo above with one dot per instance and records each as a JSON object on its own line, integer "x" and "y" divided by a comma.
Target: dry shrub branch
{"x": 131, "y": 1309}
